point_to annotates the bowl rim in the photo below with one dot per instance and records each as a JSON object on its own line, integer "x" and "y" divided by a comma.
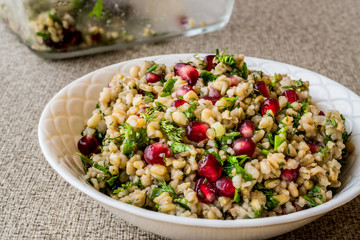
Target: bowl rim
{"x": 341, "y": 198}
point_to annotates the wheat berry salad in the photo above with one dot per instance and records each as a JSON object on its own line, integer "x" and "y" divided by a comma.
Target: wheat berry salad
{"x": 212, "y": 139}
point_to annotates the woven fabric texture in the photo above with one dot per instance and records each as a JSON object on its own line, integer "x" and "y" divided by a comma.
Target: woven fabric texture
{"x": 36, "y": 203}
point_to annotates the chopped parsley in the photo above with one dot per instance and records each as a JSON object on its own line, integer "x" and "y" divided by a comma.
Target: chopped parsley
{"x": 159, "y": 106}
{"x": 313, "y": 193}
{"x": 232, "y": 101}
{"x": 112, "y": 180}
{"x": 278, "y": 141}
{"x": 101, "y": 168}
{"x": 127, "y": 186}
{"x": 346, "y": 136}
{"x": 152, "y": 68}
{"x": 189, "y": 113}
{"x": 237, "y": 196}
{"x": 274, "y": 80}
{"x": 169, "y": 85}
{"x": 208, "y": 77}
{"x": 225, "y": 59}
{"x": 84, "y": 160}
{"x": 244, "y": 71}
{"x": 157, "y": 191}
{"x": 148, "y": 114}
{"x": 173, "y": 133}
{"x": 149, "y": 97}
{"x": 271, "y": 202}
{"x": 332, "y": 121}
{"x": 177, "y": 147}
{"x": 45, "y": 36}
{"x": 257, "y": 213}
{"x": 134, "y": 139}
{"x": 97, "y": 10}
{"x": 233, "y": 163}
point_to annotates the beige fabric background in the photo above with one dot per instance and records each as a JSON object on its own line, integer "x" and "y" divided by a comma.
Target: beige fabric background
{"x": 36, "y": 203}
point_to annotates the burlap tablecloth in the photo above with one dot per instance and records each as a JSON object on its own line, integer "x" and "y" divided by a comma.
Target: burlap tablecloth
{"x": 323, "y": 36}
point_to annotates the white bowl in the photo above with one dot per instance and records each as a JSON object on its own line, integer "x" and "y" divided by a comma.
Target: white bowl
{"x": 65, "y": 117}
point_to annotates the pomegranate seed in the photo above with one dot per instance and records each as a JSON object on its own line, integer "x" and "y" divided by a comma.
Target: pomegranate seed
{"x": 178, "y": 67}
{"x": 141, "y": 110}
{"x": 262, "y": 88}
{"x": 187, "y": 72}
{"x": 209, "y": 167}
{"x": 213, "y": 93}
{"x": 142, "y": 92}
{"x": 225, "y": 187}
{"x": 313, "y": 147}
{"x": 213, "y": 100}
{"x": 247, "y": 128}
{"x": 152, "y": 77}
{"x": 209, "y": 62}
{"x": 270, "y": 104}
{"x": 234, "y": 81}
{"x": 196, "y": 131}
{"x": 155, "y": 153}
{"x": 205, "y": 190}
{"x": 291, "y": 95}
{"x": 178, "y": 103}
{"x": 290, "y": 175}
{"x": 87, "y": 145}
{"x": 244, "y": 146}
{"x": 321, "y": 113}
{"x": 183, "y": 90}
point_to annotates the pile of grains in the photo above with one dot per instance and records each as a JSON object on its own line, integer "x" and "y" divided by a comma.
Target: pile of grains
{"x": 213, "y": 139}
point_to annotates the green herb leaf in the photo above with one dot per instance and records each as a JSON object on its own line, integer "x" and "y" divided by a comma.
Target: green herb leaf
{"x": 148, "y": 114}
{"x": 177, "y": 147}
{"x": 172, "y": 132}
{"x": 97, "y": 10}
{"x": 189, "y": 113}
{"x": 45, "y": 36}
{"x": 304, "y": 106}
{"x": 346, "y": 136}
{"x": 244, "y": 71}
{"x": 84, "y": 160}
{"x": 208, "y": 77}
{"x": 271, "y": 202}
{"x": 233, "y": 162}
{"x": 257, "y": 213}
{"x": 159, "y": 107}
{"x": 265, "y": 152}
{"x": 226, "y": 59}
{"x": 273, "y": 82}
{"x": 152, "y": 68}
{"x": 127, "y": 186}
{"x": 278, "y": 141}
{"x": 169, "y": 85}
{"x": 149, "y": 97}
{"x": 112, "y": 180}
{"x": 101, "y": 168}
{"x": 232, "y": 101}
{"x": 182, "y": 202}
{"x": 55, "y": 18}
{"x": 313, "y": 193}
{"x": 237, "y": 196}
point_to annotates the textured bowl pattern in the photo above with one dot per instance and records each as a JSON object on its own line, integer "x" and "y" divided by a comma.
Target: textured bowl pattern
{"x": 66, "y": 114}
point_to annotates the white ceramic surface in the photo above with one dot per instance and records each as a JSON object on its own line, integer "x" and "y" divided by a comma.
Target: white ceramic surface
{"x": 65, "y": 117}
